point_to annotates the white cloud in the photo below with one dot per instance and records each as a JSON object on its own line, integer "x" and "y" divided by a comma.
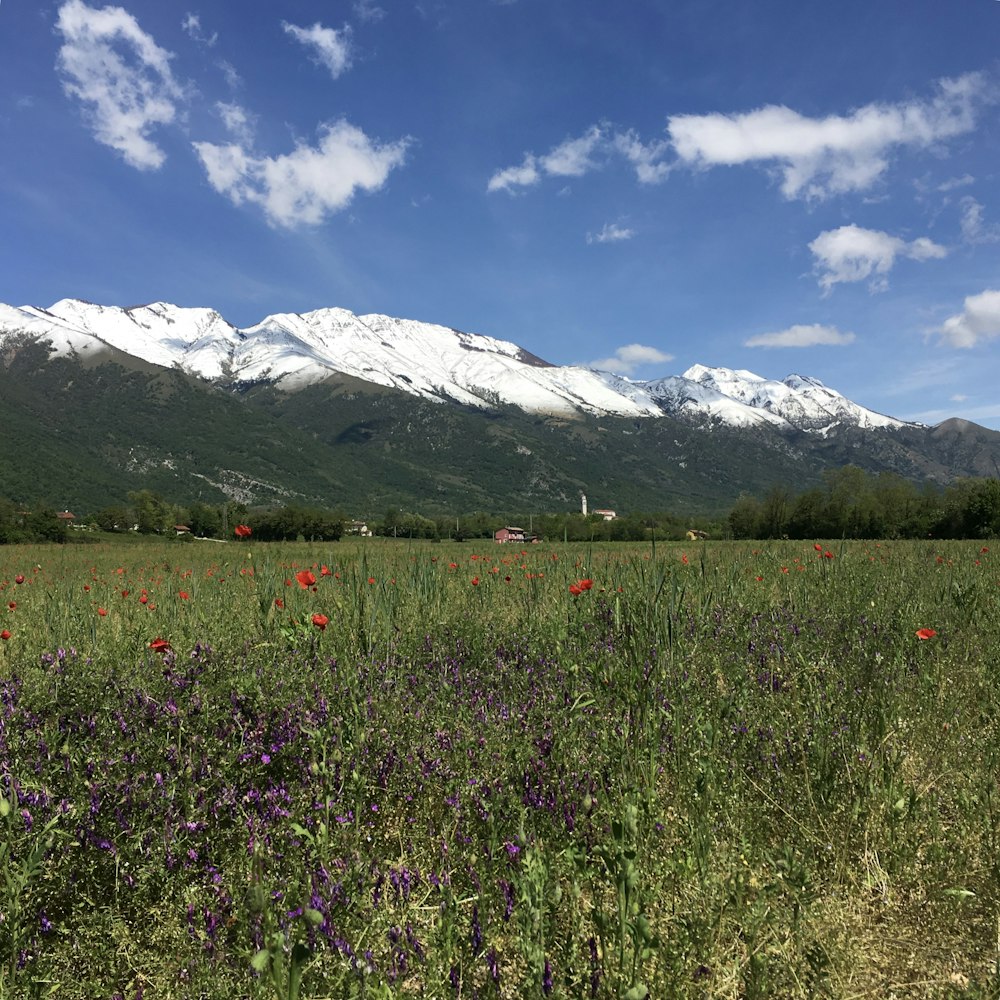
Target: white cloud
{"x": 122, "y": 77}
{"x": 979, "y": 321}
{"x": 611, "y": 233}
{"x": 233, "y": 79}
{"x": 523, "y": 176}
{"x": 368, "y": 10}
{"x": 238, "y": 121}
{"x": 332, "y": 48}
{"x": 974, "y": 229}
{"x": 851, "y": 253}
{"x": 307, "y": 185}
{"x": 959, "y": 397}
{"x": 192, "y": 25}
{"x": 576, "y": 157}
{"x": 956, "y": 182}
{"x": 572, "y": 158}
{"x": 646, "y": 158}
{"x": 801, "y": 335}
{"x": 819, "y": 157}
{"x": 630, "y": 357}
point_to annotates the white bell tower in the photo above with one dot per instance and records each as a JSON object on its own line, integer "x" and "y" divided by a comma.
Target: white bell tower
{"x": 583, "y": 504}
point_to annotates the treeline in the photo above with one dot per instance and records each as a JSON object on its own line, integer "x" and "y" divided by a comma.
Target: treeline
{"x": 854, "y": 504}
{"x": 573, "y": 527}
{"x": 148, "y": 513}
{"x": 19, "y": 525}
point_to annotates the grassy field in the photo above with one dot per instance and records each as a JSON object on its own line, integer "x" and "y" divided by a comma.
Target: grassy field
{"x": 388, "y": 770}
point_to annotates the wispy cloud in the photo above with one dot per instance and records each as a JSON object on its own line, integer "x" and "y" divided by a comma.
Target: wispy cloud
{"x": 239, "y": 122}
{"x": 307, "y": 185}
{"x": 851, "y": 253}
{"x": 579, "y": 156}
{"x": 526, "y": 175}
{"x": 571, "y": 158}
{"x": 331, "y": 48}
{"x": 957, "y": 182}
{"x": 820, "y": 157}
{"x": 611, "y": 233}
{"x": 368, "y": 10}
{"x": 647, "y": 158}
{"x": 121, "y": 76}
{"x": 574, "y": 157}
{"x": 627, "y": 359}
{"x": 233, "y": 79}
{"x": 811, "y": 335}
{"x": 192, "y": 25}
{"x": 979, "y": 321}
{"x": 974, "y": 229}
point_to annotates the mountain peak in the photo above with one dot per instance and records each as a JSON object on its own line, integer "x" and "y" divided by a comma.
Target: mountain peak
{"x": 294, "y": 350}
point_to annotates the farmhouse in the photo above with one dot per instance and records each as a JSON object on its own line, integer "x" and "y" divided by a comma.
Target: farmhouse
{"x": 511, "y": 534}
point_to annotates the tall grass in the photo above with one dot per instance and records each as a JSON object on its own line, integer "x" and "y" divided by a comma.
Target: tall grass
{"x": 718, "y": 770}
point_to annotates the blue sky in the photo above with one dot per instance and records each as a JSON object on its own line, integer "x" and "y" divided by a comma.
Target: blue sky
{"x": 786, "y": 187}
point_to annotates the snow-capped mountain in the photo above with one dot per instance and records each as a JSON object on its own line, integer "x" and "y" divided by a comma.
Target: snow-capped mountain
{"x": 295, "y": 350}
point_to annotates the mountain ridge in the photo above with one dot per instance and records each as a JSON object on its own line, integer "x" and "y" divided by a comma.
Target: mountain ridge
{"x": 294, "y": 350}
{"x": 85, "y": 421}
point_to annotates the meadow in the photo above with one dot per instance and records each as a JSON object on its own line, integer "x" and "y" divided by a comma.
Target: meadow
{"x": 377, "y": 769}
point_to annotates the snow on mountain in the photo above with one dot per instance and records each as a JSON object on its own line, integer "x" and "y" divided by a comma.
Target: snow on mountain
{"x": 295, "y": 350}
{"x": 680, "y": 394}
{"x": 803, "y": 401}
{"x": 198, "y": 340}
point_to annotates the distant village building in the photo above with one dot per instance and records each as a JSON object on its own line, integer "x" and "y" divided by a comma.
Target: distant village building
{"x": 512, "y": 534}
{"x": 358, "y": 528}
{"x": 66, "y": 516}
{"x": 608, "y": 515}
{"x": 182, "y": 529}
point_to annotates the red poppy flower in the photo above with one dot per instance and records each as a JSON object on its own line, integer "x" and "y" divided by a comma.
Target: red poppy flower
{"x": 371, "y": 580}
{"x": 159, "y": 645}
{"x": 827, "y": 555}
{"x": 305, "y": 578}
{"x": 279, "y": 603}
{"x": 183, "y": 595}
{"x": 324, "y": 571}
{"x": 475, "y": 581}
{"x": 144, "y": 599}
{"x": 320, "y": 621}
{"x": 575, "y": 590}
{"x": 12, "y": 605}
{"x": 585, "y": 584}
{"x": 926, "y": 633}
{"x": 5, "y": 634}
{"x": 818, "y": 547}
{"x": 102, "y": 612}
{"x": 242, "y": 531}
{"x": 19, "y": 578}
